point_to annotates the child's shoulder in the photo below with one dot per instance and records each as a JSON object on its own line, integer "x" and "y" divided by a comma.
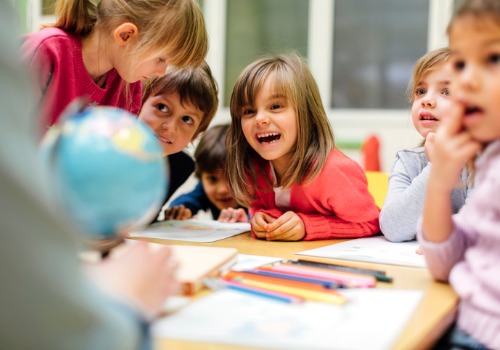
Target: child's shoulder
{"x": 412, "y": 155}
{"x": 49, "y": 37}
{"x": 338, "y": 161}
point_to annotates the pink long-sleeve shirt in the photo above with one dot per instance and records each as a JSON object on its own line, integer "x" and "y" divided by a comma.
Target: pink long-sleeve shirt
{"x": 470, "y": 258}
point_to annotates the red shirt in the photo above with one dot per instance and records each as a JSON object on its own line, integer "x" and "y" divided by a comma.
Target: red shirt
{"x": 336, "y": 204}
{"x": 54, "y": 59}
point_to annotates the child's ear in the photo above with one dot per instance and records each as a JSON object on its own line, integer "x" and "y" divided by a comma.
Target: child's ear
{"x": 125, "y": 33}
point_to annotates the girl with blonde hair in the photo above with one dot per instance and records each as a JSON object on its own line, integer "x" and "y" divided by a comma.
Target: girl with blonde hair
{"x": 103, "y": 51}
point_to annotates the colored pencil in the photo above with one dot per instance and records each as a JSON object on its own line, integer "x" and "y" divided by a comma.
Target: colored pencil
{"x": 266, "y": 293}
{"x": 292, "y": 281}
{"x": 330, "y": 297}
{"x": 379, "y": 275}
{"x": 348, "y": 279}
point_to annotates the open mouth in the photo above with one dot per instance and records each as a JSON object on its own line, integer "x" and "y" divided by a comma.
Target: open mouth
{"x": 428, "y": 117}
{"x": 164, "y": 140}
{"x": 269, "y": 137}
{"x": 469, "y": 110}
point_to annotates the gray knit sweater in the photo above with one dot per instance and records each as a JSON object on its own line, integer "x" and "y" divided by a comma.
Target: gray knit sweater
{"x": 404, "y": 203}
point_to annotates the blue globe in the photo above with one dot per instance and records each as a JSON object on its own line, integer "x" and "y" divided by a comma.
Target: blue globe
{"x": 108, "y": 168}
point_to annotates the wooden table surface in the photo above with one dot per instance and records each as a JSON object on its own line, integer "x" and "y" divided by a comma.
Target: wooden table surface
{"x": 433, "y": 316}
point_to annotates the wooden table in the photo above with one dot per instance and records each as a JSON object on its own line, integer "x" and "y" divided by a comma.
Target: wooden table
{"x": 432, "y": 317}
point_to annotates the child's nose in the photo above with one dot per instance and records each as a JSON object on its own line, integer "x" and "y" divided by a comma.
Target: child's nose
{"x": 469, "y": 78}
{"x": 428, "y": 101}
{"x": 169, "y": 127}
{"x": 261, "y": 118}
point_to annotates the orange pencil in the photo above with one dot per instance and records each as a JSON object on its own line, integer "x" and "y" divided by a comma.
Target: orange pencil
{"x": 239, "y": 275}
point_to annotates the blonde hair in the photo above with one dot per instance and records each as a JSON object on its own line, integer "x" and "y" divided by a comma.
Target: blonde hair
{"x": 424, "y": 65}
{"x": 195, "y": 85}
{"x": 293, "y": 79}
{"x": 175, "y": 28}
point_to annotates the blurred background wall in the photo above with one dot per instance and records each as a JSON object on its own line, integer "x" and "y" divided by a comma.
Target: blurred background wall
{"x": 361, "y": 53}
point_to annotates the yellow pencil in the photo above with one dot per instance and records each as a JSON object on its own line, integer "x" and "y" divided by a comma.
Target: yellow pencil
{"x": 330, "y": 297}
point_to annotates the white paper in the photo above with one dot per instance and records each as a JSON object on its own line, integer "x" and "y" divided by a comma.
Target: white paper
{"x": 247, "y": 262}
{"x": 372, "y": 249}
{"x": 192, "y": 230}
{"x": 372, "y": 319}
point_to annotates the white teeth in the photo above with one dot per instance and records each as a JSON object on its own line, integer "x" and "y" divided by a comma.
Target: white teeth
{"x": 162, "y": 139}
{"x": 268, "y": 134}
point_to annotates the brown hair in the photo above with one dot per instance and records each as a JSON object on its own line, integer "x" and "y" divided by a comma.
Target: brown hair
{"x": 210, "y": 154}
{"x": 175, "y": 28}
{"x": 477, "y": 9}
{"x": 293, "y": 79}
{"x": 424, "y": 65}
{"x": 195, "y": 85}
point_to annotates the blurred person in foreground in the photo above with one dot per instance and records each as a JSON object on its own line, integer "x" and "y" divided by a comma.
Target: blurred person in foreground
{"x": 48, "y": 299}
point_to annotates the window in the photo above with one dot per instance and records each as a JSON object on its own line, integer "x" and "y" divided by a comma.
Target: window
{"x": 259, "y": 27}
{"x": 375, "y": 45}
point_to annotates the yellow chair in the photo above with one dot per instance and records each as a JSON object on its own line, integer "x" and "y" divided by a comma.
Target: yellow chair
{"x": 378, "y": 184}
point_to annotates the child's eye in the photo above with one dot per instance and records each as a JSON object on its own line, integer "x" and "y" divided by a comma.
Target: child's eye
{"x": 212, "y": 179}
{"x": 494, "y": 58}
{"x": 445, "y": 92}
{"x": 420, "y": 91}
{"x": 248, "y": 112}
{"x": 162, "y": 59}
{"x": 458, "y": 65}
{"x": 275, "y": 106}
{"x": 162, "y": 108}
{"x": 188, "y": 120}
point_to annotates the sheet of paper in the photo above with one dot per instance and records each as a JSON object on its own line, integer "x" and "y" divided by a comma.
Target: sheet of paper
{"x": 372, "y": 249}
{"x": 192, "y": 230}
{"x": 247, "y": 262}
{"x": 372, "y": 319}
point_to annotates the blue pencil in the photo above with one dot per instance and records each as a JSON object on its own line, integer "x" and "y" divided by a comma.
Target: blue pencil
{"x": 326, "y": 284}
{"x": 290, "y": 299}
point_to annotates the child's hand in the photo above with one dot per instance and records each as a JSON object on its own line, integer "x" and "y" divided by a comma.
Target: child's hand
{"x": 178, "y": 213}
{"x": 233, "y": 215}
{"x": 429, "y": 145}
{"x": 453, "y": 146}
{"x": 259, "y": 224}
{"x": 138, "y": 275}
{"x": 288, "y": 227}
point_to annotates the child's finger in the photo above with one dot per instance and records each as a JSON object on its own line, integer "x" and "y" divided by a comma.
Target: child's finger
{"x": 453, "y": 122}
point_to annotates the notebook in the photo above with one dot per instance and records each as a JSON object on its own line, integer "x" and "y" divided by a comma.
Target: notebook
{"x": 197, "y": 263}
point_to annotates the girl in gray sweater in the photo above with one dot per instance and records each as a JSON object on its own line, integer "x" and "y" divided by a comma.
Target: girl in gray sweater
{"x": 429, "y": 96}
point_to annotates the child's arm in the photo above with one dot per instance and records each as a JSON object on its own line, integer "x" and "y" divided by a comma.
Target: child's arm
{"x": 405, "y": 197}
{"x": 452, "y": 148}
{"x": 194, "y": 201}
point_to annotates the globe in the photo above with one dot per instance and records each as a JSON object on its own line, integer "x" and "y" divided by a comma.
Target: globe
{"x": 108, "y": 168}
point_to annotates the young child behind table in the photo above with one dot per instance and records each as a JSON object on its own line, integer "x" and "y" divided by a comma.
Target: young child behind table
{"x": 211, "y": 192}
{"x": 283, "y": 163}
{"x": 103, "y": 51}
{"x": 428, "y": 92}
{"x": 464, "y": 249}
{"x": 178, "y": 107}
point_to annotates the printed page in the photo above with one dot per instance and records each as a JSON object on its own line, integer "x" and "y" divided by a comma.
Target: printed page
{"x": 371, "y": 319}
{"x": 372, "y": 249}
{"x": 192, "y": 230}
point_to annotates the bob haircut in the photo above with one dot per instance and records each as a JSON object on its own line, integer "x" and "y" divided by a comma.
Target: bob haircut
{"x": 195, "y": 86}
